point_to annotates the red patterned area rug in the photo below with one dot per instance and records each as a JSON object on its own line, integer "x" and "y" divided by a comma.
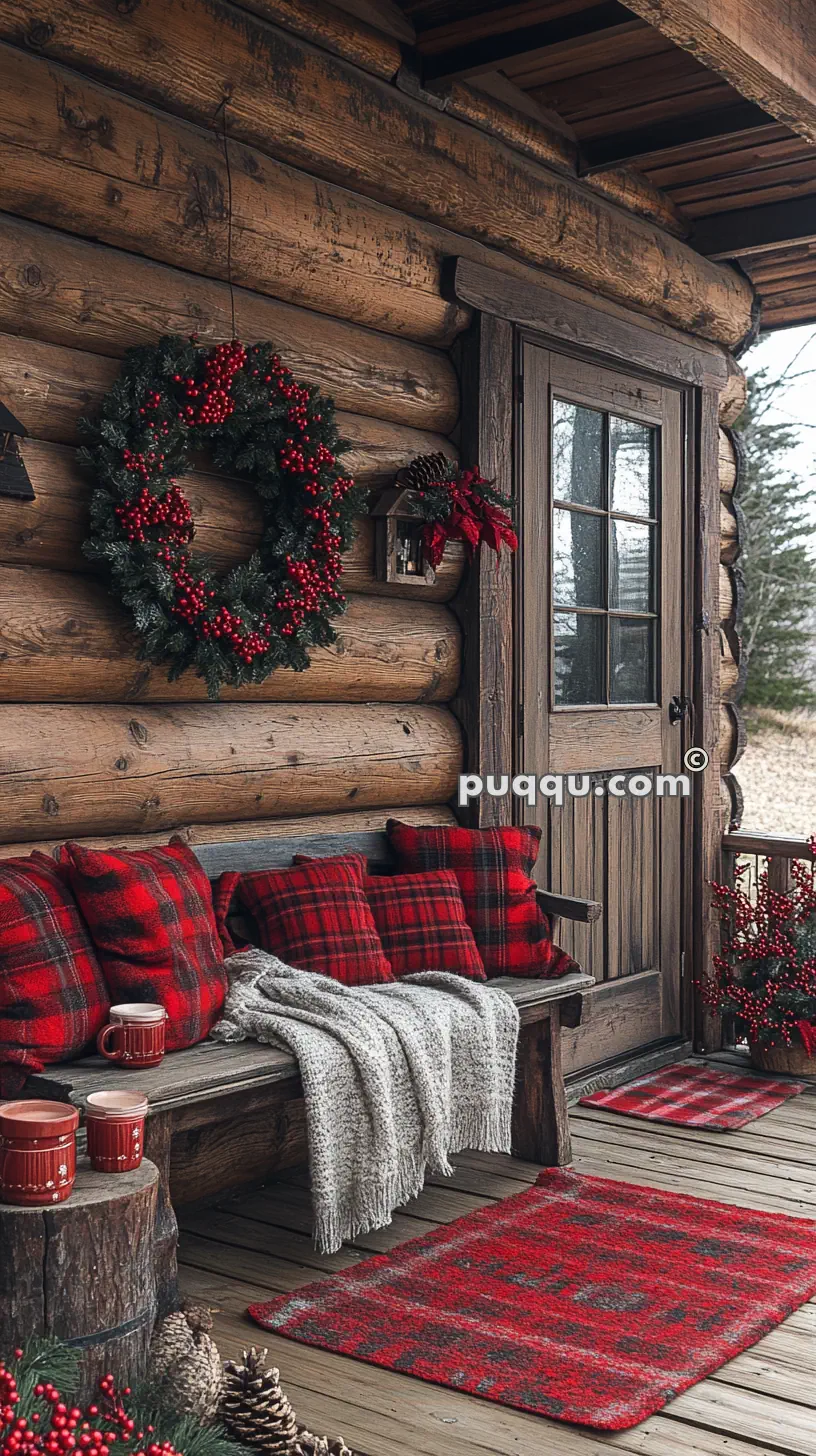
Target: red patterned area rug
{"x": 695, "y": 1096}
{"x": 582, "y": 1299}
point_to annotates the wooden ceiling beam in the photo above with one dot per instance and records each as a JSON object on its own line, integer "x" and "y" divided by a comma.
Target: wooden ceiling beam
{"x": 744, "y": 232}
{"x": 765, "y": 48}
{"x": 618, "y": 148}
{"x": 486, "y": 53}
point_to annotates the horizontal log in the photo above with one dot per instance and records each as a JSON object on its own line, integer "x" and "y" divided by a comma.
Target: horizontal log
{"x": 732, "y": 398}
{"x": 75, "y": 155}
{"x": 315, "y": 112}
{"x": 49, "y": 531}
{"x": 64, "y": 639}
{"x": 630, "y": 189}
{"x": 50, "y": 388}
{"x": 326, "y": 26}
{"x": 728, "y": 595}
{"x": 64, "y": 290}
{"x": 524, "y": 133}
{"x": 727, "y": 460}
{"x": 732, "y": 735}
{"x": 729, "y": 669}
{"x": 194, "y": 834}
{"x": 729, "y": 531}
{"x": 108, "y": 770}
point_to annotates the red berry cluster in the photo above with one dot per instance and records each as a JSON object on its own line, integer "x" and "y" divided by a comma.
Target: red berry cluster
{"x": 215, "y": 390}
{"x": 60, "y": 1429}
{"x": 762, "y": 974}
{"x": 171, "y": 510}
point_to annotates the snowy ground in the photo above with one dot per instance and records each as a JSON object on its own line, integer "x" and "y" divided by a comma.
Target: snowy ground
{"x": 778, "y": 773}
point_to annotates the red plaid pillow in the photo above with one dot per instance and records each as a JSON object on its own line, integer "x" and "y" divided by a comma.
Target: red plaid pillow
{"x": 494, "y": 870}
{"x": 150, "y": 913}
{"x": 53, "y": 999}
{"x": 420, "y": 920}
{"x": 316, "y": 917}
{"x": 421, "y": 923}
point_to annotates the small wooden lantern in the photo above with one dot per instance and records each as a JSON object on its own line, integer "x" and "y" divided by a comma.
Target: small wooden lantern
{"x": 14, "y": 479}
{"x": 399, "y": 552}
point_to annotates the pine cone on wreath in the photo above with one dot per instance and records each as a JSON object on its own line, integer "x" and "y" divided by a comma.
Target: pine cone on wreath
{"x": 425, "y": 470}
{"x": 184, "y": 1366}
{"x": 254, "y": 1409}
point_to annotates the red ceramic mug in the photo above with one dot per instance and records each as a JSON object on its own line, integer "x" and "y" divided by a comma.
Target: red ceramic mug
{"x": 115, "y": 1125}
{"x": 37, "y": 1152}
{"x": 134, "y": 1036}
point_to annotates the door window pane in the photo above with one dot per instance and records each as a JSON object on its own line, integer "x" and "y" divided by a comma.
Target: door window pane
{"x": 631, "y": 467}
{"x": 632, "y": 667}
{"x": 630, "y": 567}
{"x": 578, "y": 559}
{"x": 580, "y": 659}
{"x": 577, "y": 450}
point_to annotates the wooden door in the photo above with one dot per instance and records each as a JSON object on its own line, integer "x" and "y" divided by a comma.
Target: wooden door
{"x": 601, "y": 605}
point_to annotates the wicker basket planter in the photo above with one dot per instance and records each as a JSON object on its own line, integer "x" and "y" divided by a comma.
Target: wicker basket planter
{"x": 792, "y": 1060}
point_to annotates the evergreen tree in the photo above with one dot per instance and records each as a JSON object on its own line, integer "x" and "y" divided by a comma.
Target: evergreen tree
{"x": 777, "y": 560}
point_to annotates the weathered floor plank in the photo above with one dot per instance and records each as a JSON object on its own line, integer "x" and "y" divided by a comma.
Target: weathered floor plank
{"x": 761, "y": 1404}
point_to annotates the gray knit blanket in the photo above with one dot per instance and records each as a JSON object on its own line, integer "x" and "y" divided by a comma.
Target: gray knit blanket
{"x": 396, "y": 1078}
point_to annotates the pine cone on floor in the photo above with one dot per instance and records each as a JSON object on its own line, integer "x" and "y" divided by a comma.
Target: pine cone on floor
{"x": 184, "y": 1366}
{"x": 309, "y": 1445}
{"x": 255, "y": 1410}
{"x": 425, "y": 470}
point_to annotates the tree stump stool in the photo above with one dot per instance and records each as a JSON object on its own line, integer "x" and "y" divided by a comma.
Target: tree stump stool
{"x": 84, "y": 1271}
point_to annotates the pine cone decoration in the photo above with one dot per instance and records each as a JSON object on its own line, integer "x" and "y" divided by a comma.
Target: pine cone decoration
{"x": 309, "y": 1445}
{"x": 184, "y": 1366}
{"x": 255, "y": 1410}
{"x": 425, "y": 470}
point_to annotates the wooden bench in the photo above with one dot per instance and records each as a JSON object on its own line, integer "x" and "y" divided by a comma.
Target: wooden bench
{"x": 222, "y": 1115}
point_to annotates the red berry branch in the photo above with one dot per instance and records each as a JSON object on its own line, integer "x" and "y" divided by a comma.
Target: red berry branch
{"x": 241, "y": 405}
{"x": 765, "y": 973}
{"x": 59, "y": 1428}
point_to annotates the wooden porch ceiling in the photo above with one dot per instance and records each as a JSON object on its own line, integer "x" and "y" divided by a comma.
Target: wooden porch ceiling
{"x": 629, "y": 95}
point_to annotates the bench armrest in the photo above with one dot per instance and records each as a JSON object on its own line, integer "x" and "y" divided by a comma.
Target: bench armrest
{"x": 569, "y": 907}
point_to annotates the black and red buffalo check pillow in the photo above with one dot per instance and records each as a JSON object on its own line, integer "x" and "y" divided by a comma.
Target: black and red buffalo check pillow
{"x": 420, "y": 920}
{"x": 53, "y": 998}
{"x": 150, "y": 913}
{"x": 493, "y": 868}
{"x": 316, "y": 917}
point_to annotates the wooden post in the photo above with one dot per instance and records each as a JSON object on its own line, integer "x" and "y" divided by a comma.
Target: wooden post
{"x": 706, "y": 836}
{"x": 84, "y": 1271}
{"x": 484, "y": 604}
{"x": 541, "y": 1132}
{"x": 779, "y": 874}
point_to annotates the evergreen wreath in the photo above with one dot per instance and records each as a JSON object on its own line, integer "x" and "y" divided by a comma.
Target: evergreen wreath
{"x": 242, "y": 406}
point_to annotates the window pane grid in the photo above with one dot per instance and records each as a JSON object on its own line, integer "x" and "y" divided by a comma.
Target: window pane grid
{"x": 604, "y": 574}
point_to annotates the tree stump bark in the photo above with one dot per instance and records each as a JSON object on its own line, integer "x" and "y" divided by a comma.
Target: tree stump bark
{"x": 84, "y": 1271}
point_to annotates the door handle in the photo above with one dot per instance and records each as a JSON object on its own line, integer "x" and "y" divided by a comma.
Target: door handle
{"x": 679, "y": 709}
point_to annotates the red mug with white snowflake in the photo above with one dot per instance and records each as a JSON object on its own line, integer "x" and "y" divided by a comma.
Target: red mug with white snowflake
{"x": 134, "y": 1036}
{"x": 115, "y": 1124}
{"x": 37, "y": 1152}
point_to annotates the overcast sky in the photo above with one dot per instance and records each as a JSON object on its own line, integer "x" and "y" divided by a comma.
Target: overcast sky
{"x": 797, "y": 404}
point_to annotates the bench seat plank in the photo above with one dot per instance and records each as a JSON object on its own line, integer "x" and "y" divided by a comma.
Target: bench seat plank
{"x": 214, "y": 1067}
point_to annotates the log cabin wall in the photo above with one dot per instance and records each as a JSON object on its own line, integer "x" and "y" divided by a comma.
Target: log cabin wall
{"x": 348, "y": 195}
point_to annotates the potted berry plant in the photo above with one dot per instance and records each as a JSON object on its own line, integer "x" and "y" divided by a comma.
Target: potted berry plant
{"x": 765, "y": 973}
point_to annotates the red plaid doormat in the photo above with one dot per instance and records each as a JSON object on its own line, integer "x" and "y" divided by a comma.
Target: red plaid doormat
{"x": 696, "y": 1096}
{"x": 582, "y": 1299}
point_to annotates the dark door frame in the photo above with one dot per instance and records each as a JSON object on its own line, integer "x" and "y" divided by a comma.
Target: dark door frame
{"x": 559, "y": 315}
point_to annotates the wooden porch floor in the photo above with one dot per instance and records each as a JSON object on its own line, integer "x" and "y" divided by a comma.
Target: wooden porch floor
{"x": 763, "y": 1402}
